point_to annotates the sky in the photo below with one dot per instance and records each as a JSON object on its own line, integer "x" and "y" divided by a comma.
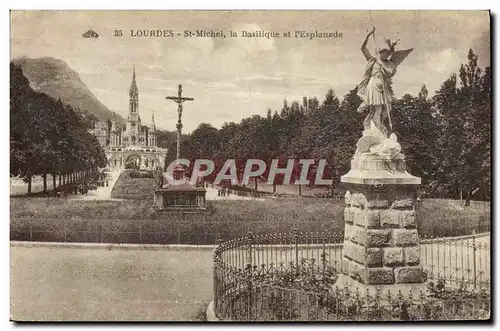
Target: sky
{"x": 232, "y": 78}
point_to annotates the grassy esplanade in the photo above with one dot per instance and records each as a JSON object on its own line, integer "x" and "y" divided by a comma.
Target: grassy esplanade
{"x": 134, "y": 221}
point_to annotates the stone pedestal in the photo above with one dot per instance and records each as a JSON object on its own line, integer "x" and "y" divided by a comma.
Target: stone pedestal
{"x": 179, "y": 196}
{"x": 182, "y": 197}
{"x": 381, "y": 242}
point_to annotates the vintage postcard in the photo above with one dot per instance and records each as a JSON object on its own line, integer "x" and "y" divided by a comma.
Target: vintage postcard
{"x": 250, "y": 166}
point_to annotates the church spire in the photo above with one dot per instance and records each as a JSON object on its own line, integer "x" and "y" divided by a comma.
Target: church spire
{"x": 153, "y": 125}
{"x": 113, "y": 123}
{"x": 133, "y": 96}
{"x": 133, "y": 91}
{"x": 113, "y": 134}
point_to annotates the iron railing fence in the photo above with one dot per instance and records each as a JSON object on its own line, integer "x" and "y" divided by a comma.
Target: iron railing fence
{"x": 118, "y": 231}
{"x": 268, "y": 253}
{"x": 462, "y": 261}
{"x": 182, "y": 229}
{"x": 291, "y": 276}
{"x": 261, "y": 301}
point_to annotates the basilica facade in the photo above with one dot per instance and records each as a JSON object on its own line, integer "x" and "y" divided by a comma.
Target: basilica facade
{"x": 133, "y": 143}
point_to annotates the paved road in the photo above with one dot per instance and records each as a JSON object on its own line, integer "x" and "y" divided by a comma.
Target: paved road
{"x": 53, "y": 284}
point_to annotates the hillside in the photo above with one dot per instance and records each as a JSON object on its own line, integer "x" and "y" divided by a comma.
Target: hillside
{"x": 55, "y": 78}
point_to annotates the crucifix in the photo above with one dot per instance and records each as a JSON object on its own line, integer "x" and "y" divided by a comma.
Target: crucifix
{"x": 179, "y": 99}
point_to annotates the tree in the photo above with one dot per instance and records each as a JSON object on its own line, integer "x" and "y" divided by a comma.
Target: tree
{"x": 416, "y": 130}
{"x": 48, "y": 137}
{"x": 204, "y": 141}
{"x": 463, "y": 119}
{"x": 475, "y": 95}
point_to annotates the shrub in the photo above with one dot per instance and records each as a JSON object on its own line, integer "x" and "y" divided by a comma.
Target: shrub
{"x": 132, "y": 166}
{"x": 141, "y": 174}
{"x": 308, "y": 297}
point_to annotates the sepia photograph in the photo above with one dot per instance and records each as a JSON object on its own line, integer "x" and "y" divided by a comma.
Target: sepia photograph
{"x": 250, "y": 166}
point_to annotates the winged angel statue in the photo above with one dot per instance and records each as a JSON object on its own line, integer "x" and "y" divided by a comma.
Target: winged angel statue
{"x": 376, "y": 92}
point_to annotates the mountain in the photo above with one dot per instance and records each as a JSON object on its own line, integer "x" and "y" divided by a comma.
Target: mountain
{"x": 55, "y": 78}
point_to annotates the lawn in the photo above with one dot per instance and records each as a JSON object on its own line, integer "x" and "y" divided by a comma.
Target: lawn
{"x": 444, "y": 217}
{"x": 132, "y": 188}
{"x": 134, "y": 221}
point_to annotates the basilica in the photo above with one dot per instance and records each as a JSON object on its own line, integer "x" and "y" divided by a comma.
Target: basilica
{"x": 133, "y": 143}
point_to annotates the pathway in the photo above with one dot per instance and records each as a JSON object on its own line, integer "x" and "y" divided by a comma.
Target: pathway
{"x": 96, "y": 284}
{"x": 101, "y": 193}
{"x": 19, "y": 187}
{"x": 212, "y": 195}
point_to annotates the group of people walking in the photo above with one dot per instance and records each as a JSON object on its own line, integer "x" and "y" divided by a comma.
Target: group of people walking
{"x": 223, "y": 192}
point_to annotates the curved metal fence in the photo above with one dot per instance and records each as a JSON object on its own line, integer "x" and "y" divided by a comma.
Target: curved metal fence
{"x": 291, "y": 276}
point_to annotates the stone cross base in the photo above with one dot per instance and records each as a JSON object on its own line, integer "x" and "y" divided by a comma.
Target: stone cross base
{"x": 381, "y": 243}
{"x": 185, "y": 198}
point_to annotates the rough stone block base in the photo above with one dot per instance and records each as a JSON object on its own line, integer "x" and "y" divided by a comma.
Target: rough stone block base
{"x": 381, "y": 242}
{"x": 408, "y": 275}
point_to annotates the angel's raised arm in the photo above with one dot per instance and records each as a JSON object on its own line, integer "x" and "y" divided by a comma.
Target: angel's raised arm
{"x": 365, "y": 50}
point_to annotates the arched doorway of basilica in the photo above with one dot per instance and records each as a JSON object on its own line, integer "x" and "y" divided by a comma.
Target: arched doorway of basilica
{"x": 133, "y": 159}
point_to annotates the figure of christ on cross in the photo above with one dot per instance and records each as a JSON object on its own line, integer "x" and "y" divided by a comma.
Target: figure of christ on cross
{"x": 179, "y": 99}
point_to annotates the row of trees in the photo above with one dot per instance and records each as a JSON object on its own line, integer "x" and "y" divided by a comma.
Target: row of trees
{"x": 47, "y": 136}
{"x": 446, "y": 138}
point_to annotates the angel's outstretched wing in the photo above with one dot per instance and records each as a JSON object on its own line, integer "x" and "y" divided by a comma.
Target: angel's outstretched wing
{"x": 398, "y": 56}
